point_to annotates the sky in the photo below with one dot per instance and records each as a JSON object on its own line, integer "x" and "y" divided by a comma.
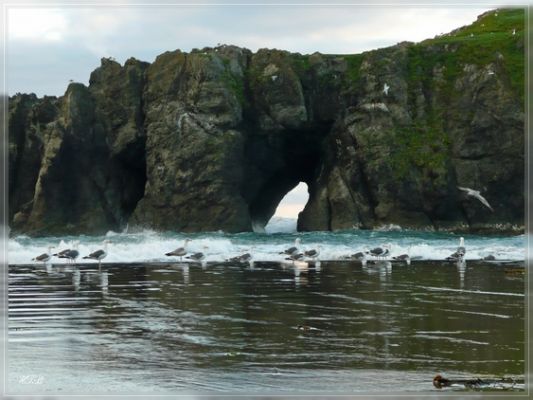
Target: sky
{"x": 49, "y": 46}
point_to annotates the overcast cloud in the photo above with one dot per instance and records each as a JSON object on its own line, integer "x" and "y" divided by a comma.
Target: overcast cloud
{"x": 48, "y": 46}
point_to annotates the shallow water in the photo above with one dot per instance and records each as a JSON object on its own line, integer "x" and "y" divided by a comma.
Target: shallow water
{"x": 230, "y": 328}
{"x": 150, "y": 246}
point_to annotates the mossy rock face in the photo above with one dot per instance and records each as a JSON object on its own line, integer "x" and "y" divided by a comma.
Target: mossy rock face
{"x": 213, "y": 139}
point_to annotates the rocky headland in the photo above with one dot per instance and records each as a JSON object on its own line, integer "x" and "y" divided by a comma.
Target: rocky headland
{"x": 213, "y": 139}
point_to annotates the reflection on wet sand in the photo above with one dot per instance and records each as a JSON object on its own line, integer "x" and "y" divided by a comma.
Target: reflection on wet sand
{"x": 229, "y": 325}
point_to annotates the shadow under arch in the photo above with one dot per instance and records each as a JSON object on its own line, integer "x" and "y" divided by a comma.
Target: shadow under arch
{"x": 277, "y": 164}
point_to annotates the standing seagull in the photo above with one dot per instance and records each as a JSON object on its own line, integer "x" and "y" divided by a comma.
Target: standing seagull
{"x": 459, "y": 253}
{"x": 380, "y": 252}
{"x": 196, "y": 256}
{"x": 403, "y": 258}
{"x": 98, "y": 254}
{"x": 295, "y": 257}
{"x": 71, "y": 255}
{"x": 314, "y": 253}
{"x": 294, "y": 249}
{"x": 246, "y": 257}
{"x": 45, "y": 257}
{"x": 477, "y": 195}
{"x": 180, "y": 251}
{"x": 61, "y": 253}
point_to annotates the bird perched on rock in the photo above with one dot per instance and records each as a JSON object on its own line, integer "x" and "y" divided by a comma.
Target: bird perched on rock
{"x": 477, "y": 195}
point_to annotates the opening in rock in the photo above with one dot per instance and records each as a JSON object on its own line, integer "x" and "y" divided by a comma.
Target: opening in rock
{"x": 286, "y": 216}
{"x": 277, "y": 163}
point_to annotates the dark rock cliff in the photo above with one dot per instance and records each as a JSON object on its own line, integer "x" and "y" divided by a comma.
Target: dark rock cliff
{"x": 213, "y": 139}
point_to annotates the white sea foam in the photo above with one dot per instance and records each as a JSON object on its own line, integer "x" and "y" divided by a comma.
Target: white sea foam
{"x": 151, "y": 246}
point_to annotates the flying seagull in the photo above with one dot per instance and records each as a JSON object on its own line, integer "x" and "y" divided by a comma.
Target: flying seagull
{"x": 180, "y": 251}
{"x": 477, "y": 195}
{"x": 386, "y": 89}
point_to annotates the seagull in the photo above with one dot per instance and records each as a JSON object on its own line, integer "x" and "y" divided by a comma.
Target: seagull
{"x": 459, "y": 253}
{"x": 490, "y": 73}
{"x": 312, "y": 253}
{"x": 477, "y": 195}
{"x": 45, "y": 257}
{"x": 292, "y": 250}
{"x": 404, "y": 257}
{"x": 514, "y": 32}
{"x": 242, "y": 258}
{"x": 360, "y": 256}
{"x": 98, "y": 254}
{"x": 61, "y": 253}
{"x": 180, "y": 251}
{"x": 70, "y": 254}
{"x": 386, "y": 89}
{"x": 380, "y": 252}
{"x": 295, "y": 257}
{"x": 196, "y": 256}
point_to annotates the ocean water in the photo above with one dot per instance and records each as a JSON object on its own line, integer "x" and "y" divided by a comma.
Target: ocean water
{"x": 270, "y": 328}
{"x": 148, "y": 324}
{"x": 151, "y": 246}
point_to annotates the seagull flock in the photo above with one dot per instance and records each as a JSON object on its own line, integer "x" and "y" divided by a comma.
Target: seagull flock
{"x": 294, "y": 254}
{"x": 72, "y": 254}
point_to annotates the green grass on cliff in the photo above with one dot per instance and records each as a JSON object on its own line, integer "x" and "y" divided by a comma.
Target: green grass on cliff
{"x": 480, "y": 44}
{"x": 234, "y": 83}
{"x": 425, "y": 144}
